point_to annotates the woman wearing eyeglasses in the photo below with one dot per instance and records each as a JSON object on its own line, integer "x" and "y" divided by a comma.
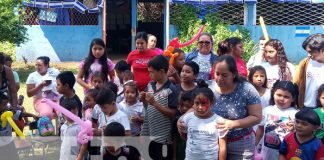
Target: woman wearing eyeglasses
{"x": 203, "y": 56}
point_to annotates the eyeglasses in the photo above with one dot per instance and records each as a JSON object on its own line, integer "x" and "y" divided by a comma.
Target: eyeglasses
{"x": 204, "y": 43}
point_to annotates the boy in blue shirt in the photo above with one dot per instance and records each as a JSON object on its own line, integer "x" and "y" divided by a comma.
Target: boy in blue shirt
{"x": 302, "y": 144}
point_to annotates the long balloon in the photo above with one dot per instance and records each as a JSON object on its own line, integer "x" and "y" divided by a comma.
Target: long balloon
{"x": 86, "y": 133}
{"x": 176, "y": 44}
{"x": 264, "y": 29}
{"x": 7, "y": 117}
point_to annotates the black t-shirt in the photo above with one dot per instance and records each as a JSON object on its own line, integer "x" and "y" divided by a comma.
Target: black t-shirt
{"x": 74, "y": 98}
{"x": 129, "y": 152}
{"x": 180, "y": 90}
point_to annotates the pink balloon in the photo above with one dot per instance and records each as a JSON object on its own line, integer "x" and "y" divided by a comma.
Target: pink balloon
{"x": 86, "y": 133}
{"x": 175, "y": 42}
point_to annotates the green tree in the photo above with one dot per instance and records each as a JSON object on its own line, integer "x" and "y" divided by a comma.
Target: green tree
{"x": 12, "y": 29}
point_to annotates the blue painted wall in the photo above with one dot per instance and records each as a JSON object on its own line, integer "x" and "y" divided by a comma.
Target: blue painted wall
{"x": 60, "y": 43}
{"x": 286, "y": 34}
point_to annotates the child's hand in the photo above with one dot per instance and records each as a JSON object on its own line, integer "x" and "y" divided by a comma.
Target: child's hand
{"x": 149, "y": 98}
{"x": 97, "y": 132}
{"x": 36, "y": 117}
{"x": 136, "y": 119}
{"x": 142, "y": 96}
{"x": 290, "y": 124}
{"x": 171, "y": 71}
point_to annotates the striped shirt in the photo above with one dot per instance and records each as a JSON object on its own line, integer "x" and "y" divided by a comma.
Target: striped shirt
{"x": 156, "y": 124}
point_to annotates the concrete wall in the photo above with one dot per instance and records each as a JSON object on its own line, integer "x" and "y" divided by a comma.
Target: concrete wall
{"x": 291, "y": 40}
{"x": 60, "y": 43}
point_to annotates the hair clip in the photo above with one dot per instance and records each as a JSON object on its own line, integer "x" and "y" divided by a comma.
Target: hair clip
{"x": 129, "y": 81}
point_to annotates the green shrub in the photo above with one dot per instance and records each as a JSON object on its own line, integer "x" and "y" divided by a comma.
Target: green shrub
{"x": 185, "y": 18}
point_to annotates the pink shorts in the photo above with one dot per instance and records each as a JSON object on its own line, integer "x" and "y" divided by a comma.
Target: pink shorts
{"x": 44, "y": 109}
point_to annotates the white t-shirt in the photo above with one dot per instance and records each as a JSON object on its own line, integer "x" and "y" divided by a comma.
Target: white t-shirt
{"x": 256, "y": 59}
{"x": 265, "y": 98}
{"x": 70, "y": 148}
{"x": 314, "y": 78}
{"x": 273, "y": 72}
{"x": 119, "y": 117}
{"x": 202, "y": 137}
{"x": 274, "y": 121}
{"x": 204, "y": 66}
{"x": 136, "y": 109}
{"x": 120, "y": 95}
{"x": 36, "y": 79}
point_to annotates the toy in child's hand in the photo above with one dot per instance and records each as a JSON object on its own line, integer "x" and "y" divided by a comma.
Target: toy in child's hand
{"x": 86, "y": 133}
{"x": 7, "y": 117}
{"x": 169, "y": 53}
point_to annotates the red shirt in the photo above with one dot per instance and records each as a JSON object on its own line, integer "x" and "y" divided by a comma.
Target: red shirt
{"x": 138, "y": 61}
{"x": 241, "y": 66}
{"x": 320, "y": 153}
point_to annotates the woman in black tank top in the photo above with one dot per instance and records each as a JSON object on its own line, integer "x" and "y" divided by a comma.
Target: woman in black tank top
{"x": 7, "y": 82}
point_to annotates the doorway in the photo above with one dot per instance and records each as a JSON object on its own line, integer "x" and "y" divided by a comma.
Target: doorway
{"x": 118, "y": 27}
{"x": 151, "y": 19}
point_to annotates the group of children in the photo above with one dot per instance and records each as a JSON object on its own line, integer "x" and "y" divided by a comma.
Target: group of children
{"x": 116, "y": 107}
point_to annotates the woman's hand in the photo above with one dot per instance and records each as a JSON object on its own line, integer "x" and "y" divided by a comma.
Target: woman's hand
{"x": 225, "y": 125}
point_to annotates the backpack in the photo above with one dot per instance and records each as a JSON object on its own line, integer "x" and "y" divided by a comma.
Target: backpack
{"x": 45, "y": 126}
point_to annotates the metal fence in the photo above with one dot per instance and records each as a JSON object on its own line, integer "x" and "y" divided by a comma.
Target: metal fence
{"x": 150, "y": 12}
{"x": 290, "y": 13}
{"x": 60, "y": 16}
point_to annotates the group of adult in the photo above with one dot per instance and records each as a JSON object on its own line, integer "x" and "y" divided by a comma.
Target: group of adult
{"x": 236, "y": 100}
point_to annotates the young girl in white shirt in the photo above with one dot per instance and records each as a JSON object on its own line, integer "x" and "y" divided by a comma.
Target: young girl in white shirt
{"x": 277, "y": 119}
{"x": 258, "y": 78}
{"x": 132, "y": 107}
{"x": 277, "y": 66}
{"x": 204, "y": 140}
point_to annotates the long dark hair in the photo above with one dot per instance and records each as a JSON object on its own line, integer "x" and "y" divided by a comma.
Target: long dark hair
{"x": 230, "y": 61}
{"x": 284, "y": 71}
{"x": 46, "y": 60}
{"x": 90, "y": 59}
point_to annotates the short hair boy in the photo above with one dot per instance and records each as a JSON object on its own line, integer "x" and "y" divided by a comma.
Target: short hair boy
{"x": 64, "y": 85}
{"x": 162, "y": 98}
{"x": 106, "y": 100}
{"x": 69, "y": 133}
{"x": 113, "y": 137}
{"x": 302, "y": 143}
